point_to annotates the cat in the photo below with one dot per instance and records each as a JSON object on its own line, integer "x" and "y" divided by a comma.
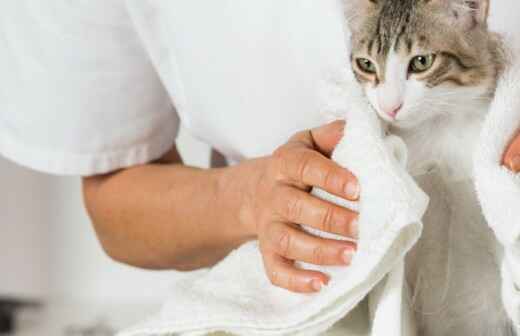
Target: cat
{"x": 429, "y": 69}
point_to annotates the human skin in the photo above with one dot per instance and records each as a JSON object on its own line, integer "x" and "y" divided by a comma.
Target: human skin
{"x": 512, "y": 156}
{"x": 166, "y": 215}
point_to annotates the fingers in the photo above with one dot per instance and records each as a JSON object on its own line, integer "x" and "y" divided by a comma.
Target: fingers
{"x": 296, "y": 206}
{"x": 512, "y": 156}
{"x": 323, "y": 139}
{"x": 294, "y": 244}
{"x": 284, "y": 274}
{"x": 326, "y": 138}
{"x": 294, "y": 168}
{"x": 308, "y": 167}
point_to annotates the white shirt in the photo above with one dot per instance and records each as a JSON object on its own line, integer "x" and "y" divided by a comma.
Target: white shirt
{"x": 87, "y": 87}
{"x": 90, "y": 86}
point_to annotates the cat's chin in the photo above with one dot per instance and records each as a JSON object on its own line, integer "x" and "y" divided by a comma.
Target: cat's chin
{"x": 400, "y": 123}
{"x": 405, "y": 125}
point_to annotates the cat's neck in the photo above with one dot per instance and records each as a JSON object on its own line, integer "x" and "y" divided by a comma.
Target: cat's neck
{"x": 446, "y": 143}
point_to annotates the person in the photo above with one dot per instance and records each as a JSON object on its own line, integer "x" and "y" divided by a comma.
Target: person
{"x": 99, "y": 88}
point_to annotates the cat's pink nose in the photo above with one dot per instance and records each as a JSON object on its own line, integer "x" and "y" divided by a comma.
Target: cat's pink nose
{"x": 393, "y": 111}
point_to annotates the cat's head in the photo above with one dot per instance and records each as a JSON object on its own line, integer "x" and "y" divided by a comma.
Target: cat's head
{"x": 420, "y": 59}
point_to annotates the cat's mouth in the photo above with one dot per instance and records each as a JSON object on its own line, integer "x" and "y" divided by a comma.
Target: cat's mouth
{"x": 389, "y": 118}
{"x": 394, "y": 117}
{"x": 398, "y": 121}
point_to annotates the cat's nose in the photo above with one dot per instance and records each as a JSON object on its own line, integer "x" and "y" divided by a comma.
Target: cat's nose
{"x": 394, "y": 110}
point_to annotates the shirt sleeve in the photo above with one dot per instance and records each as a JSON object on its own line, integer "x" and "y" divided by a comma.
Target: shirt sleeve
{"x": 78, "y": 93}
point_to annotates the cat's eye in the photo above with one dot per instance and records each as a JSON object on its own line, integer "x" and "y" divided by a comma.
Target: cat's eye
{"x": 421, "y": 63}
{"x": 366, "y": 65}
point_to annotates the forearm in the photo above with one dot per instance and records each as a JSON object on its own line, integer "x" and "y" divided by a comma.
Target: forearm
{"x": 165, "y": 216}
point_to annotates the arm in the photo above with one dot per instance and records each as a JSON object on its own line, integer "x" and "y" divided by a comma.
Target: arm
{"x": 166, "y": 215}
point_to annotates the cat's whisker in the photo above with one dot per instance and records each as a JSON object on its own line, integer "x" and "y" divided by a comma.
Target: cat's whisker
{"x": 443, "y": 107}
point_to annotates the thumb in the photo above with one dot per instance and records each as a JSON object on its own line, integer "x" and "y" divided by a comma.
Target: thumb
{"x": 326, "y": 137}
{"x": 512, "y": 156}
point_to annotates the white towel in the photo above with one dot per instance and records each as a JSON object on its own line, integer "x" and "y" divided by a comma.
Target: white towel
{"x": 497, "y": 187}
{"x": 236, "y": 296}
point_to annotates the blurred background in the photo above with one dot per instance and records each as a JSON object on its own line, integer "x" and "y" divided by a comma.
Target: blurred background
{"x": 53, "y": 272}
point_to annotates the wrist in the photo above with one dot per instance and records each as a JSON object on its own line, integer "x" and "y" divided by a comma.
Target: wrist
{"x": 236, "y": 193}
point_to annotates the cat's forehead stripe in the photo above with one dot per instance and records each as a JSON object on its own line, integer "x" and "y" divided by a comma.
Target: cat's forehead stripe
{"x": 394, "y": 26}
{"x": 407, "y": 28}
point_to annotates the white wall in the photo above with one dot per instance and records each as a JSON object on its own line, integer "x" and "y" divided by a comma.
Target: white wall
{"x": 24, "y": 240}
{"x": 51, "y": 247}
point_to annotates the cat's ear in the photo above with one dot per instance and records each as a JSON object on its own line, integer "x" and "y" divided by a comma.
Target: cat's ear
{"x": 469, "y": 13}
{"x": 475, "y": 12}
{"x": 357, "y": 10}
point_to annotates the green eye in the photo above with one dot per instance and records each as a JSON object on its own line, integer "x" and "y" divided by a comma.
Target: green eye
{"x": 366, "y": 65}
{"x": 421, "y": 63}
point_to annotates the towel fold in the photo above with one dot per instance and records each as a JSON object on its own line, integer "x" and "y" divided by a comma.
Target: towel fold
{"x": 236, "y": 296}
{"x": 498, "y": 188}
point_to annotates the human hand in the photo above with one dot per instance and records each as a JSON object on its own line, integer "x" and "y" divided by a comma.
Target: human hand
{"x": 280, "y": 201}
{"x": 511, "y": 157}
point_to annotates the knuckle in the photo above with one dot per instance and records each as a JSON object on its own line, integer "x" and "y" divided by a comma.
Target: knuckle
{"x": 303, "y": 165}
{"x": 294, "y": 163}
{"x": 328, "y": 179}
{"x": 318, "y": 256}
{"x": 300, "y": 137}
{"x": 279, "y": 204}
{"x": 280, "y": 163}
{"x": 274, "y": 278}
{"x": 283, "y": 243}
{"x": 293, "y": 208}
{"x": 327, "y": 222}
{"x": 279, "y": 152}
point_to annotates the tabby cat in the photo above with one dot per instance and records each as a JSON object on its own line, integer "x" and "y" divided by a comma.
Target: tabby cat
{"x": 429, "y": 69}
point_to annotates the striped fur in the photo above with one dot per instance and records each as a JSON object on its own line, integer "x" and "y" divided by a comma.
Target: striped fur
{"x": 452, "y": 272}
{"x": 466, "y": 55}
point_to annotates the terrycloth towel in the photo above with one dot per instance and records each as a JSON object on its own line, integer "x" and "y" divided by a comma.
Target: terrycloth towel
{"x": 498, "y": 188}
{"x": 236, "y": 296}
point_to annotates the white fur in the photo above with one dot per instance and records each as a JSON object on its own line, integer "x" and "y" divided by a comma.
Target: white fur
{"x": 498, "y": 188}
{"x": 391, "y": 93}
{"x": 453, "y": 271}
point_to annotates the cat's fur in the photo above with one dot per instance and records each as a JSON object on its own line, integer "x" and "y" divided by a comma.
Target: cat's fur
{"x": 452, "y": 272}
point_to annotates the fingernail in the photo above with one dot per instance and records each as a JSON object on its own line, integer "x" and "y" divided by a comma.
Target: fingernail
{"x": 352, "y": 190}
{"x": 347, "y": 256}
{"x": 317, "y": 285}
{"x": 354, "y": 228}
{"x": 515, "y": 163}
